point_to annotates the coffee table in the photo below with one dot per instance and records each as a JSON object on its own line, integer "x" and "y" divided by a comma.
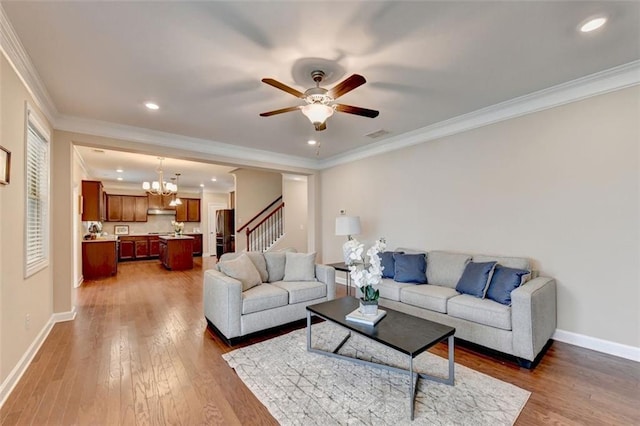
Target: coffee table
{"x": 404, "y": 333}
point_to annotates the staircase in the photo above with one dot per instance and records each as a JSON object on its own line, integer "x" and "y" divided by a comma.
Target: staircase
{"x": 265, "y": 228}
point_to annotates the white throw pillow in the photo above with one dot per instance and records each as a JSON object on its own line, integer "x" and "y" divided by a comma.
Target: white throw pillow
{"x": 242, "y": 269}
{"x": 300, "y": 267}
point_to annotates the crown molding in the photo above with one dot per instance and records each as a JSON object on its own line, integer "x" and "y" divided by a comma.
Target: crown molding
{"x": 602, "y": 82}
{"x": 223, "y": 152}
{"x": 17, "y": 56}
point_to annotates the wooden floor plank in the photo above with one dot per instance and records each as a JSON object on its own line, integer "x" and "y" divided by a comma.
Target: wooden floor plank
{"x": 139, "y": 352}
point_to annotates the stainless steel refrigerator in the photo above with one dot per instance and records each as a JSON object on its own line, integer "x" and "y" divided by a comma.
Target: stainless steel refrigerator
{"x": 225, "y": 232}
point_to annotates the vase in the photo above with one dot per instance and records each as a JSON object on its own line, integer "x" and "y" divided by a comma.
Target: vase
{"x": 368, "y": 307}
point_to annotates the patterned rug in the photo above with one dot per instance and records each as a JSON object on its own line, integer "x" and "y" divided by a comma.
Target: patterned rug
{"x": 302, "y": 388}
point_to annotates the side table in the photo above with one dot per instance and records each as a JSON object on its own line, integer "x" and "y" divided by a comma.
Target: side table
{"x": 342, "y": 267}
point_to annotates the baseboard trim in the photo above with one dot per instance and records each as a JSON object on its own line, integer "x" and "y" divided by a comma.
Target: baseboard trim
{"x": 16, "y": 374}
{"x": 612, "y": 348}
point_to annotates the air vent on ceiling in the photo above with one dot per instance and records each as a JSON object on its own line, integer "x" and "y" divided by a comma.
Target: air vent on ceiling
{"x": 98, "y": 151}
{"x": 377, "y": 134}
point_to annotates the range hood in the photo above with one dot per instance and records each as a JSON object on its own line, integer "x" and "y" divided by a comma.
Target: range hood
{"x": 166, "y": 212}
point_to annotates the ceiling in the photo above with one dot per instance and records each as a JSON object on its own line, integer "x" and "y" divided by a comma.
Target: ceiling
{"x": 103, "y": 164}
{"x": 202, "y": 62}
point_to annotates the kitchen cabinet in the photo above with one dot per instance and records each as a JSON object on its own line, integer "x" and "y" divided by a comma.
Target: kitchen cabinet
{"x": 160, "y": 202}
{"x": 126, "y": 208}
{"x": 93, "y": 208}
{"x": 114, "y": 208}
{"x": 189, "y": 210}
{"x": 127, "y": 249}
{"x": 99, "y": 258}
{"x": 176, "y": 253}
{"x": 142, "y": 248}
{"x": 154, "y": 246}
{"x": 197, "y": 243}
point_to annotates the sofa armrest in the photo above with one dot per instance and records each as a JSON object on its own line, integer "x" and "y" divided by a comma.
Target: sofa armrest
{"x": 222, "y": 302}
{"x": 533, "y": 316}
{"x": 326, "y": 274}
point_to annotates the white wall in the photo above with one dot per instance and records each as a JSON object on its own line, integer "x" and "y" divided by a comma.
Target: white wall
{"x": 560, "y": 186}
{"x": 294, "y": 195}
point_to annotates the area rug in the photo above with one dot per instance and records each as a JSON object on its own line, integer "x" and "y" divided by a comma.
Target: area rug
{"x": 302, "y": 388}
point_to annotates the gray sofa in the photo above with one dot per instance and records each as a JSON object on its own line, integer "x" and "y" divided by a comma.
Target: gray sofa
{"x": 521, "y": 329}
{"x": 235, "y": 313}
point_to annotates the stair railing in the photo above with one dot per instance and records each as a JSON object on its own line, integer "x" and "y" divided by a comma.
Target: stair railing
{"x": 266, "y": 232}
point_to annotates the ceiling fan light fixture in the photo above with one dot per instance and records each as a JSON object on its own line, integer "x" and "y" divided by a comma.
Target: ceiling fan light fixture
{"x": 317, "y": 113}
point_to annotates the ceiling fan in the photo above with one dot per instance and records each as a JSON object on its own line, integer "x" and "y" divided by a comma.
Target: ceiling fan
{"x": 320, "y": 101}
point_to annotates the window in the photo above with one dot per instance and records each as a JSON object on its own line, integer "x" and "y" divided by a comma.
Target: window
{"x": 36, "y": 195}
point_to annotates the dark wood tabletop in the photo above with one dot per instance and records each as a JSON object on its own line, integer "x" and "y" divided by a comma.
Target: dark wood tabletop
{"x": 405, "y": 333}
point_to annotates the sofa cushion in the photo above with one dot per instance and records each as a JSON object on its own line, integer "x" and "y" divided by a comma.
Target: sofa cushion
{"x": 410, "y": 268}
{"x": 475, "y": 278}
{"x": 261, "y": 265}
{"x": 263, "y": 297}
{"x": 275, "y": 265}
{"x": 242, "y": 269}
{"x": 388, "y": 264}
{"x": 303, "y": 291}
{"x": 390, "y": 289}
{"x": 445, "y": 268}
{"x": 481, "y": 311}
{"x": 504, "y": 281}
{"x": 300, "y": 267}
{"x": 431, "y": 297}
{"x": 510, "y": 262}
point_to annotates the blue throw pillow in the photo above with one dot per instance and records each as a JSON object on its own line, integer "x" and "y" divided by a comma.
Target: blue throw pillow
{"x": 410, "y": 268}
{"x": 503, "y": 282}
{"x": 475, "y": 278}
{"x": 386, "y": 258}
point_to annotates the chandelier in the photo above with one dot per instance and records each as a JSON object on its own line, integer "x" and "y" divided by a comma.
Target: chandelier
{"x": 160, "y": 187}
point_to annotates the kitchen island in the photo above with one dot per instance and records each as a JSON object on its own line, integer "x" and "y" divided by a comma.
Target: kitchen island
{"x": 99, "y": 258}
{"x": 176, "y": 252}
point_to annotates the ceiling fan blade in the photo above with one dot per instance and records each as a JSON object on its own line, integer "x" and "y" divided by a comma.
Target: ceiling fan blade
{"x": 321, "y": 126}
{"x": 282, "y": 86}
{"x": 347, "y": 85}
{"x": 279, "y": 111}
{"x": 371, "y": 113}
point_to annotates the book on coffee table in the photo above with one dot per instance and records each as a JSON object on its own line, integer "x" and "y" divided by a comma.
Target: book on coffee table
{"x": 360, "y": 318}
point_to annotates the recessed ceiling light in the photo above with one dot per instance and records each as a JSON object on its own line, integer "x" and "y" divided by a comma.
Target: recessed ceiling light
{"x": 214, "y": 180}
{"x": 151, "y": 105}
{"x": 311, "y": 142}
{"x": 119, "y": 178}
{"x": 202, "y": 185}
{"x": 593, "y": 24}
{"x": 119, "y": 170}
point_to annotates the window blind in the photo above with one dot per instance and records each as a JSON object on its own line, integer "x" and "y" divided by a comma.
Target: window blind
{"x": 37, "y": 199}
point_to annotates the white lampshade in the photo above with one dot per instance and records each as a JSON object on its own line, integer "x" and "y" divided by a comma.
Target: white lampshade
{"x": 317, "y": 113}
{"x": 178, "y": 201}
{"x": 146, "y": 186}
{"x": 347, "y": 225}
{"x": 155, "y": 185}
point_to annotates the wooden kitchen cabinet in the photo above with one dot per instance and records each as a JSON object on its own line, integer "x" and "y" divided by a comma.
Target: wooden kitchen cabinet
{"x": 114, "y": 208}
{"x": 92, "y": 201}
{"x": 126, "y": 208}
{"x": 189, "y": 210}
{"x": 176, "y": 253}
{"x": 99, "y": 259}
{"x": 127, "y": 249}
{"x": 154, "y": 246}
{"x": 158, "y": 202}
{"x": 142, "y": 248}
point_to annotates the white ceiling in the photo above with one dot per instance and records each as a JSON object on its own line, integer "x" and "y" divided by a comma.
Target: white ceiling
{"x": 202, "y": 62}
{"x": 102, "y": 164}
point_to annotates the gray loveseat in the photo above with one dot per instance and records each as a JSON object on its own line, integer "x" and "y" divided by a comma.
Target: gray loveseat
{"x": 279, "y": 299}
{"x": 521, "y": 329}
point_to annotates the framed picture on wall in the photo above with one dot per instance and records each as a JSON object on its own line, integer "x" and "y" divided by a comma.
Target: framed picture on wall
{"x": 121, "y": 229}
{"x": 5, "y": 165}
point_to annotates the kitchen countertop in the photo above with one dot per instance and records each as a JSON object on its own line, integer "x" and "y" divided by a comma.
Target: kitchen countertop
{"x": 173, "y": 237}
{"x": 108, "y": 238}
{"x": 160, "y": 234}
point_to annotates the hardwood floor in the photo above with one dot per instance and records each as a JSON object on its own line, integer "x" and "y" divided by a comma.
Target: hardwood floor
{"x": 139, "y": 353}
